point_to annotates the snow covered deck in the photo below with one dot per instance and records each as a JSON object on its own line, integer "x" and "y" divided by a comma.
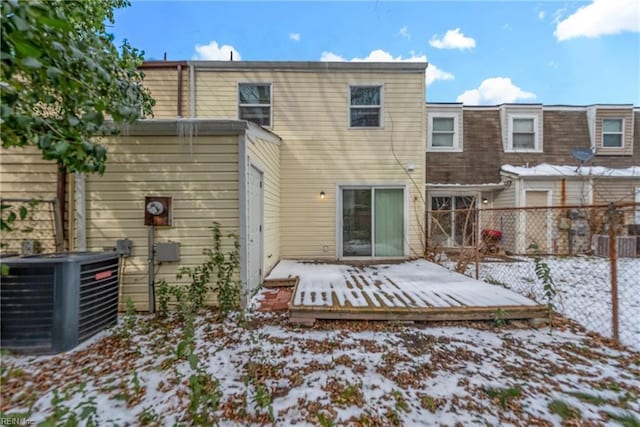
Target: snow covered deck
{"x": 416, "y": 290}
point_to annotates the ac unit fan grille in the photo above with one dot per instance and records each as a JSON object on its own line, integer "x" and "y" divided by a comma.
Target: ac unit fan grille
{"x": 98, "y": 297}
{"x": 26, "y": 296}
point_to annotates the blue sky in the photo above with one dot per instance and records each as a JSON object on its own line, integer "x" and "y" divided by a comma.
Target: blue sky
{"x": 553, "y": 52}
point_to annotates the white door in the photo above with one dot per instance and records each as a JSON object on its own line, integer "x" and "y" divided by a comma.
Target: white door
{"x": 255, "y": 228}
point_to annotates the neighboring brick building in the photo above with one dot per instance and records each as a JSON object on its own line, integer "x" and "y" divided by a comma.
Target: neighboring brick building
{"x": 469, "y": 148}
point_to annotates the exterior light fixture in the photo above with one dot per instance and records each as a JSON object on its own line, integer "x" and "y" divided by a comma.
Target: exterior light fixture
{"x": 485, "y": 200}
{"x": 322, "y": 194}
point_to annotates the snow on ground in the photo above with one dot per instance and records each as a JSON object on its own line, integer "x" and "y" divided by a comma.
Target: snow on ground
{"x": 583, "y": 290}
{"x": 415, "y": 284}
{"x": 259, "y": 370}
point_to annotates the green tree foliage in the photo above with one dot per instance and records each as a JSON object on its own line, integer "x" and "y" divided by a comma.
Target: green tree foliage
{"x": 62, "y": 77}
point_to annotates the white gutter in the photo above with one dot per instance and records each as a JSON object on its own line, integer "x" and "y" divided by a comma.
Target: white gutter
{"x": 479, "y": 187}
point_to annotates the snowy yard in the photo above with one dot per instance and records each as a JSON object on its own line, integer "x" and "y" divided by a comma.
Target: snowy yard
{"x": 259, "y": 370}
{"x": 583, "y": 290}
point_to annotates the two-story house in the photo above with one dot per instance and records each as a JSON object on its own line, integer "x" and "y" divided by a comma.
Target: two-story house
{"x": 528, "y": 155}
{"x": 304, "y": 160}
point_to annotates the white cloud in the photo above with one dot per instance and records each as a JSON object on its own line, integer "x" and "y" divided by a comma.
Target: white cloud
{"x": 434, "y": 73}
{"x": 541, "y": 15}
{"x": 214, "y": 52}
{"x": 379, "y": 55}
{"x": 331, "y": 57}
{"x": 295, "y": 37}
{"x": 602, "y": 17}
{"x": 453, "y": 39}
{"x": 404, "y": 32}
{"x": 495, "y": 90}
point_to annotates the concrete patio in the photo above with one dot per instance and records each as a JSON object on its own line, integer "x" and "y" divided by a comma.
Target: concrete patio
{"x": 414, "y": 290}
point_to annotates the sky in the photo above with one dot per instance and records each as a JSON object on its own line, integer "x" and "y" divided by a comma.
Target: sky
{"x": 479, "y": 52}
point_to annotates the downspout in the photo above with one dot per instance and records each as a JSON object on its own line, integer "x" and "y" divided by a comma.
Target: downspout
{"x": 192, "y": 91}
{"x": 80, "y": 217}
{"x": 179, "y": 112}
{"x": 61, "y": 197}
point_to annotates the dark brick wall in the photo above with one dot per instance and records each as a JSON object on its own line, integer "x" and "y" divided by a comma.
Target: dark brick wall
{"x": 483, "y": 153}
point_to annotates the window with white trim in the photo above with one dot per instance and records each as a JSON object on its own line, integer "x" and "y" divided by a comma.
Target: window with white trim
{"x": 365, "y": 106}
{"x": 612, "y": 136}
{"x": 443, "y": 134}
{"x": 254, "y": 103}
{"x": 523, "y": 134}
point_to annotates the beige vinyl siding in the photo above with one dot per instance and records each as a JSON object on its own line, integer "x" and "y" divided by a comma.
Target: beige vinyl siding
{"x": 576, "y": 192}
{"x": 200, "y": 174}
{"x": 610, "y": 190}
{"x": 25, "y": 175}
{"x": 319, "y": 151}
{"x": 266, "y": 156}
{"x": 505, "y": 198}
{"x": 163, "y": 85}
{"x": 627, "y": 116}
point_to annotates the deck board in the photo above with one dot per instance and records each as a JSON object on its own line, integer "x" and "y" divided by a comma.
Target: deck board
{"x": 415, "y": 290}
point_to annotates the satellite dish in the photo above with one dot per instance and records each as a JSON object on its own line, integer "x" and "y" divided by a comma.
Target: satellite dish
{"x": 582, "y": 154}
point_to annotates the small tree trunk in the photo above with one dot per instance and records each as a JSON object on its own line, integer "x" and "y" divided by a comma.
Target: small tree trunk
{"x": 61, "y": 197}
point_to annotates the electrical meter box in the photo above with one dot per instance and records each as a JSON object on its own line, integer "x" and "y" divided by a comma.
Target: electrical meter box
{"x": 157, "y": 211}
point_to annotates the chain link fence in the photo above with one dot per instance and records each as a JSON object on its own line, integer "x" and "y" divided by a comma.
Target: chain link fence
{"x": 592, "y": 254}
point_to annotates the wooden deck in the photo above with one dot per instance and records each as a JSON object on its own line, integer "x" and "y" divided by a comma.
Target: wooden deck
{"x": 411, "y": 291}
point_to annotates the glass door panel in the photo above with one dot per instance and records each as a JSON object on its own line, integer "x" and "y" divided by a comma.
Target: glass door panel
{"x": 356, "y": 222}
{"x": 389, "y": 222}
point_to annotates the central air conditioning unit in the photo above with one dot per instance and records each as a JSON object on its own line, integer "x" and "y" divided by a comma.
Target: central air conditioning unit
{"x": 49, "y": 303}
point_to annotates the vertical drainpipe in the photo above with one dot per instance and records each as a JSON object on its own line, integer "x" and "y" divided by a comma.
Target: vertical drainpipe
{"x": 80, "y": 217}
{"x": 179, "y": 107}
{"x": 192, "y": 91}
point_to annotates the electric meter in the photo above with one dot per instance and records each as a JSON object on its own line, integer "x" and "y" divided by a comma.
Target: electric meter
{"x": 155, "y": 208}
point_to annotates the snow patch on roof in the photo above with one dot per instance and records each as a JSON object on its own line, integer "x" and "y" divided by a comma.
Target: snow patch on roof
{"x": 546, "y": 169}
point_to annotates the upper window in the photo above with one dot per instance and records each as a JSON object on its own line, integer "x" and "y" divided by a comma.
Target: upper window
{"x": 254, "y": 103}
{"x": 523, "y": 134}
{"x": 612, "y": 133}
{"x": 443, "y": 132}
{"x": 365, "y": 106}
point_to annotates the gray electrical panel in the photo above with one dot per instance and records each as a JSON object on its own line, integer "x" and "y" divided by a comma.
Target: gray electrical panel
{"x": 167, "y": 252}
{"x": 123, "y": 247}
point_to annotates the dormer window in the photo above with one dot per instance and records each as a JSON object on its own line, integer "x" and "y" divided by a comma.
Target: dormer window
{"x": 443, "y": 131}
{"x": 524, "y": 133}
{"x": 612, "y": 136}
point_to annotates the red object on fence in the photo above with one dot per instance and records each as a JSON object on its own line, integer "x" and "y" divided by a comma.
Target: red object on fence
{"x": 491, "y": 235}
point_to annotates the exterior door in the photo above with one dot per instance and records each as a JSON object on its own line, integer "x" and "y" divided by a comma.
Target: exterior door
{"x": 373, "y": 222}
{"x": 255, "y": 228}
{"x": 537, "y": 221}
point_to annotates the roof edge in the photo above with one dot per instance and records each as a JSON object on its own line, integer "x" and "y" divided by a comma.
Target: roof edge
{"x": 417, "y": 67}
{"x": 179, "y": 126}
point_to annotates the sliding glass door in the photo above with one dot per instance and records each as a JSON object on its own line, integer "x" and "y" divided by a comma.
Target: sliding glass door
{"x": 356, "y": 222}
{"x": 372, "y": 222}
